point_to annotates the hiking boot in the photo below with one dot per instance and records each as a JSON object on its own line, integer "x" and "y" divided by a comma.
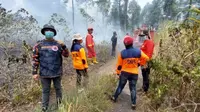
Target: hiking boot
{"x": 133, "y": 107}
{"x": 44, "y": 109}
{"x": 113, "y": 99}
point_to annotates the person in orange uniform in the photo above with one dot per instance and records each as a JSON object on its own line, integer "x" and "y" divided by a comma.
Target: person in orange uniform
{"x": 79, "y": 60}
{"x": 127, "y": 69}
{"x": 90, "y": 47}
{"x": 148, "y": 48}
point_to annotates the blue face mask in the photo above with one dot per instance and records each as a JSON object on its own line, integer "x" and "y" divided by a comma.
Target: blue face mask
{"x": 49, "y": 34}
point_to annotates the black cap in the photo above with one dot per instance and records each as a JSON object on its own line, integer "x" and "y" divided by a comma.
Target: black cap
{"x": 144, "y": 33}
{"x": 48, "y": 27}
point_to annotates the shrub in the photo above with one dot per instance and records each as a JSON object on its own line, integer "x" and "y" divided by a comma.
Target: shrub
{"x": 175, "y": 71}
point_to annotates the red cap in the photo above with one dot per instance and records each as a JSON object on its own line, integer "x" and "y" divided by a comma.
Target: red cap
{"x": 128, "y": 40}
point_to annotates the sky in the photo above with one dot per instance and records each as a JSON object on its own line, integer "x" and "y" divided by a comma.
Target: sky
{"x": 142, "y": 3}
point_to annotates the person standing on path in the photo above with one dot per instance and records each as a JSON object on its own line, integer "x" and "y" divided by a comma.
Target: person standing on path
{"x": 127, "y": 69}
{"x": 114, "y": 43}
{"x": 47, "y": 58}
{"x": 90, "y": 47}
{"x": 79, "y": 60}
{"x": 148, "y": 48}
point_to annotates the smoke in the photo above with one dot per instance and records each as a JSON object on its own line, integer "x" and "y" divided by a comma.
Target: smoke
{"x": 102, "y": 30}
{"x": 42, "y": 11}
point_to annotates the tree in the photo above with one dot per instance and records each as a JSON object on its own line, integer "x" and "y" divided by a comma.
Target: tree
{"x": 61, "y": 26}
{"x": 145, "y": 13}
{"x": 134, "y": 11}
{"x": 104, "y": 6}
{"x": 86, "y": 15}
{"x": 123, "y": 14}
{"x": 170, "y": 8}
{"x": 152, "y": 13}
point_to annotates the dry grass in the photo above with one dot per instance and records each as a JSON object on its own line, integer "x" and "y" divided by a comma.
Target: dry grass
{"x": 94, "y": 99}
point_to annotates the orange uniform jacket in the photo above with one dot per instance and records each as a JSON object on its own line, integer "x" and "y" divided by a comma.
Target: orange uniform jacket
{"x": 129, "y": 59}
{"x": 90, "y": 46}
{"x": 79, "y": 57}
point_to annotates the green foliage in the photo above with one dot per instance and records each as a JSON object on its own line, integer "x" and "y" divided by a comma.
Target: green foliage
{"x": 195, "y": 12}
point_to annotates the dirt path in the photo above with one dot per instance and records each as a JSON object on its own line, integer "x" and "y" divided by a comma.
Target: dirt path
{"x": 124, "y": 102}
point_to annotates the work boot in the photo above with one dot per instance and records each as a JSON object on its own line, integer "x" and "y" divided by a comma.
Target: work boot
{"x": 90, "y": 62}
{"x": 95, "y": 60}
{"x": 133, "y": 107}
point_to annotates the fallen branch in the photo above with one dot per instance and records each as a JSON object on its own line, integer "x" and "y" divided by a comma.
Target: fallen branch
{"x": 188, "y": 55}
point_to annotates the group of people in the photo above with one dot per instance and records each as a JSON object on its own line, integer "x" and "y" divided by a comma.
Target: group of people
{"x": 137, "y": 53}
{"x": 47, "y": 60}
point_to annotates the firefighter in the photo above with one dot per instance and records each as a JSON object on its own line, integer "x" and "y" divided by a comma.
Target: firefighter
{"x": 114, "y": 43}
{"x": 79, "y": 61}
{"x": 47, "y": 59}
{"x": 127, "y": 69}
{"x": 90, "y": 47}
{"x": 148, "y": 48}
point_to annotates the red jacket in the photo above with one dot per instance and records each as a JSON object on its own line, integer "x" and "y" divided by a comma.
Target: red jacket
{"x": 89, "y": 41}
{"x": 148, "y": 48}
{"x": 90, "y": 46}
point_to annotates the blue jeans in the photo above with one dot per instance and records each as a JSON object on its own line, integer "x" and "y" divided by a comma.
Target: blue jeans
{"x": 46, "y": 86}
{"x": 132, "y": 78}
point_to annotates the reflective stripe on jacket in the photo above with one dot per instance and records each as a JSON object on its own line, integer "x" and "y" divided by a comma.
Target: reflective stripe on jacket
{"x": 90, "y": 46}
{"x": 47, "y": 56}
{"x": 89, "y": 41}
{"x": 129, "y": 59}
{"x": 79, "y": 57}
